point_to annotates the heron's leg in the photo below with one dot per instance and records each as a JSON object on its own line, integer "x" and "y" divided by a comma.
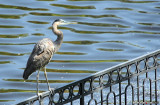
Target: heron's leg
{"x": 39, "y": 94}
{"x": 45, "y": 74}
{"x": 37, "y": 83}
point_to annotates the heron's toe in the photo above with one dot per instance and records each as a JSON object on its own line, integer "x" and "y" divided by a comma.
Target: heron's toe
{"x": 51, "y": 90}
{"x": 39, "y": 95}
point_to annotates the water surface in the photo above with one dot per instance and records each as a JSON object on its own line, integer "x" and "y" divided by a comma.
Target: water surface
{"x": 108, "y": 32}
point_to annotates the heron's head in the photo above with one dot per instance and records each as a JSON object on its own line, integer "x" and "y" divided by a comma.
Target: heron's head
{"x": 62, "y": 22}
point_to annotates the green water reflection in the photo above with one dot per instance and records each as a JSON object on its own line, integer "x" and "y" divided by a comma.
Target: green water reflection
{"x": 83, "y": 15}
{"x": 5, "y": 62}
{"x": 73, "y": 7}
{"x": 102, "y": 49}
{"x": 38, "y": 22}
{"x": 118, "y": 9}
{"x": 16, "y": 43}
{"x": 13, "y": 35}
{"x": 70, "y": 71}
{"x": 38, "y": 34}
{"x": 6, "y": 100}
{"x": 9, "y": 26}
{"x": 13, "y": 16}
{"x": 12, "y": 54}
{"x": 83, "y": 42}
{"x": 70, "y": 53}
{"x": 15, "y": 90}
{"x": 22, "y": 8}
{"x": 67, "y": 71}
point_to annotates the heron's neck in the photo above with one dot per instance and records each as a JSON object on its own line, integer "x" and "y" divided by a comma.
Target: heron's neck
{"x": 59, "y": 39}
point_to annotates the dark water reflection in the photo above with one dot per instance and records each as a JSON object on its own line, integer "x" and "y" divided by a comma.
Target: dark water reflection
{"x": 108, "y": 32}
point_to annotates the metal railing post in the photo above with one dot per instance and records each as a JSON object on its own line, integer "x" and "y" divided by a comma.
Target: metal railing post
{"x": 81, "y": 93}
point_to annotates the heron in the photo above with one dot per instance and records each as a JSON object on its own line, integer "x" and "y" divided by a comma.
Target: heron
{"x": 43, "y": 51}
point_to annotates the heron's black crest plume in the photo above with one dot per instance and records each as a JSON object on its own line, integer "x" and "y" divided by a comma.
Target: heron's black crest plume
{"x": 57, "y": 20}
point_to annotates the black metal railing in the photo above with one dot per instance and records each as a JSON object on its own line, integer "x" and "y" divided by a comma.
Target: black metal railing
{"x": 135, "y": 82}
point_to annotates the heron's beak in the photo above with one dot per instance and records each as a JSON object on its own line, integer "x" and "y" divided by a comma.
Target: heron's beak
{"x": 66, "y": 23}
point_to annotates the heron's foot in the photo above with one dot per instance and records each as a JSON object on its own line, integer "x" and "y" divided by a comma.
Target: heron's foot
{"x": 51, "y": 90}
{"x": 39, "y": 95}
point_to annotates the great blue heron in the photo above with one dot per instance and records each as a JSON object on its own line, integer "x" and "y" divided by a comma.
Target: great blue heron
{"x": 43, "y": 52}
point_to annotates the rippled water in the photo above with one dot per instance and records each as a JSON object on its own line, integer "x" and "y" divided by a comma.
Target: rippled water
{"x": 108, "y": 32}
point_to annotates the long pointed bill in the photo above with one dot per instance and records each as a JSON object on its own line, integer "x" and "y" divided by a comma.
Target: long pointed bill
{"x": 66, "y": 23}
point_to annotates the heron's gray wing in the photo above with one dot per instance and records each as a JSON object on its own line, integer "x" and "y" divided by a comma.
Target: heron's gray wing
{"x": 40, "y": 56}
{"x": 40, "y": 49}
{"x": 43, "y": 52}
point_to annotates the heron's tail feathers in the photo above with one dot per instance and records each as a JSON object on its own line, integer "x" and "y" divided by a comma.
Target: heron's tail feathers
{"x": 27, "y": 73}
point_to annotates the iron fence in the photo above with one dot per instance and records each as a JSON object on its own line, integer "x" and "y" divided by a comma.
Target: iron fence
{"x": 135, "y": 82}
